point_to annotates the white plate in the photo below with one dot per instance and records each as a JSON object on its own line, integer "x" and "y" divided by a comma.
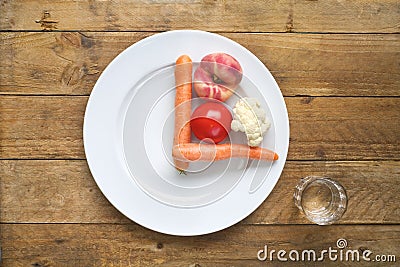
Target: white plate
{"x": 128, "y": 124}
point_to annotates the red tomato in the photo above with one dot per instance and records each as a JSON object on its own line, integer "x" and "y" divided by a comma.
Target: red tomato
{"x": 211, "y": 120}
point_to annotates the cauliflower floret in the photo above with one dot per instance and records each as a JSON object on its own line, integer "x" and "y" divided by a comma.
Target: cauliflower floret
{"x": 250, "y": 118}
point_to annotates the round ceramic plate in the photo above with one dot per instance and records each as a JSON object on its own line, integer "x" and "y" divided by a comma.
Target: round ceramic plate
{"x": 128, "y": 133}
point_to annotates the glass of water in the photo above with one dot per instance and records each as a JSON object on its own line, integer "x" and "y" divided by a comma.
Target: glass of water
{"x": 322, "y": 200}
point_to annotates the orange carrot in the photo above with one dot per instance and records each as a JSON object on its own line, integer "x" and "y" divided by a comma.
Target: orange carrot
{"x": 213, "y": 152}
{"x": 183, "y": 84}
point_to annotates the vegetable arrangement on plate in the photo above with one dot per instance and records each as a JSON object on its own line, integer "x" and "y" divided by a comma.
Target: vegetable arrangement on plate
{"x": 216, "y": 79}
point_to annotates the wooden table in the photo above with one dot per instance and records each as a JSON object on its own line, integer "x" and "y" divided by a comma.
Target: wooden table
{"x": 336, "y": 62}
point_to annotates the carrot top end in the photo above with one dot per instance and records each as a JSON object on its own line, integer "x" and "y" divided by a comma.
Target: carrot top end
{"x": 183, "y": 59}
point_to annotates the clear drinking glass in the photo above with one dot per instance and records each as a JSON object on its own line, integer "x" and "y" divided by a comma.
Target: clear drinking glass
{"x": 322, "y": 200}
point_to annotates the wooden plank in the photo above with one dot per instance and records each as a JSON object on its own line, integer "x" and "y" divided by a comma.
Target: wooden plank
{"x": 42, "y": 127}
{"x": 257, "y": 16}
{"x": 329, "y": 64}
{"x": 132, "y": 245}
{"x": 344, "y": 128}
{"x": 321, "y": 128}
{"x": 69, "y": 63}
{"x": 58, "y": 191}
{"x": 346, "y": 16}
{"x": 57, "y": 63}
{"x": 55, "y": 191}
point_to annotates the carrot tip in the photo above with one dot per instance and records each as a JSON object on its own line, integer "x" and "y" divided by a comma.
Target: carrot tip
{"x": 276, "y": 157}
{"x": 183, "y": 59}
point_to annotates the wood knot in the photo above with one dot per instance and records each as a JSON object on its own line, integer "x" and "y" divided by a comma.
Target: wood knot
{"x": 59, "y": 240}
{"x": 160, "y": 245}
{"x": 307, "y": 100}
{"x": 41, "y": 264}
{"x": 289, "y": 23}
{"x": 46, "y": 22}
{"x": 320, "y": 153}
{"x": 86, "y": 41}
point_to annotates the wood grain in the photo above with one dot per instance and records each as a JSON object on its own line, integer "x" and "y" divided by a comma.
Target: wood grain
{"x": 57, "y": 63}
{"x": 132, "y": 245}
{"x": 329, "y": 64}
{"x": 42, "y": 127}
{"x": 63, "y": 191}
{"x": 344, "y": 128}
{"x": 238, "y": 16}
{"x": 69, "y": 63}
{"x": 321, "y": 128}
